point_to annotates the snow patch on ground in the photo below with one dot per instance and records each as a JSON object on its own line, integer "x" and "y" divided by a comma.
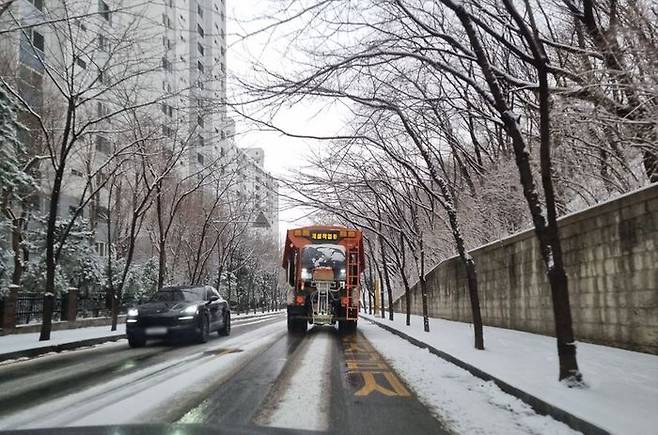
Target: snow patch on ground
{"x": 622, "y": 389}
{"x": 305, "y": 402}
{"x": 18, "y": 342}
{"x": 466, "y": 404}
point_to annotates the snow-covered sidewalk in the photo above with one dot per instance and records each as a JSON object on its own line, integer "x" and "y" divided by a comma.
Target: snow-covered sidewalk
{"x": 622, "y": 390}
{"x": 11, "y": 344}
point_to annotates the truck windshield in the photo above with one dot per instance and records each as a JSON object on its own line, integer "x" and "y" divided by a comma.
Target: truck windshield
{"x": 324, "y": 255}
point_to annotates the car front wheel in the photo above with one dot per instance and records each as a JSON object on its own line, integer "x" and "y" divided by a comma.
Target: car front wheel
{"x": 204, "y": 330}
{"x": 136, "y": 342}
{"x": 226, "y": 329}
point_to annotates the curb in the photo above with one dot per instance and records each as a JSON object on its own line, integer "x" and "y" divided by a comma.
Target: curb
{"x": 537, "y": 404}
{"x": 253, "y": 316}
{"x": 36, "y": 351}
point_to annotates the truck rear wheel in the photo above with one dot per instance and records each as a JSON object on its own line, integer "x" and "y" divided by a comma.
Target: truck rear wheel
{"x": 296, "y": 326}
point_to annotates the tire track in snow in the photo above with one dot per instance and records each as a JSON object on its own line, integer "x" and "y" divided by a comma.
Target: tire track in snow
{"x": 115, "y": 401}
{"x": 302, "y": 398}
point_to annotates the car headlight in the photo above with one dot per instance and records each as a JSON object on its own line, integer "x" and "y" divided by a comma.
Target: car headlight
{"x": 133, "y": 312}
{"x": 192, "y": 309}
{"x": 306, "y": 274}
{"x": 341, "y": 275}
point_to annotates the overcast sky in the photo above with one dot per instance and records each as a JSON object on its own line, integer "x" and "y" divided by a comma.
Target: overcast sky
{"x": 282, "y": 154}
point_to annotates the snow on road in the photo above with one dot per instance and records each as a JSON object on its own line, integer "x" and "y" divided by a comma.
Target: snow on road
{"x": 149, "y": 395}
{"x": 18, "y": 342}
{"x": 466, "y": 404}
{"x": 304, "y": 403}
{"x": 622, "y": 385}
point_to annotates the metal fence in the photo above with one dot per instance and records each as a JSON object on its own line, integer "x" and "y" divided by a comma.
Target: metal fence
{"x": 93, "y": 304}
{"x": 29, "y": 308}
{"x": 88, "y": 304}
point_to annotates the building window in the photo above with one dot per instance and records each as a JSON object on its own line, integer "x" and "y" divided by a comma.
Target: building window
{"x": 166, "y": 65}
{"x": 199, "y": 10}
{"x": 81, "y": 63}
{"x": 101, "y": 75}
{"x": 223, "y": 134}
{"x": 102, "y": 43}
{"x": 76, "y": 173}
{"x": 102, "y": 213}
{"x": 102, "y": 109}
{"x": 104, "y": 10}
{"x": 199, "y": 65}
{"x": 167, "y": 22}
{"x": 102, "y": 144}
{"x": 200, "y": 158}
{"x": 38, "y": 40}
{"x": 101, "y": 179}
{"x": 101, "y": 249}
{"x": 167, "y": 110}
{"x": 202, "y": 51}
{"x": 200, "y": 30}
{"x": 37, "y": 4}
{"x": 199, "y": 120}
{"x": 167, "y": 131}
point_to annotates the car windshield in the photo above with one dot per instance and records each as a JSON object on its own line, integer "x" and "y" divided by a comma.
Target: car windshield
{"x": 177, "y": 295}
{"x": 325, "y": 255}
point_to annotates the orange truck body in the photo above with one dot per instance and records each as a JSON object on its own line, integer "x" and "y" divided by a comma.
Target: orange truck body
{"x": 323, "y": 262}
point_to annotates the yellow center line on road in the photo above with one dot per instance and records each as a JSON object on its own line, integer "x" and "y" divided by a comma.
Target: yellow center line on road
{"x": 366, "y": 365}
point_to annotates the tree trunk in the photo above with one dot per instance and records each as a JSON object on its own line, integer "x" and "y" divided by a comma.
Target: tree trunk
{"x": 471, "y": 277}
{"x": 389, "y": 291}
{"x": 423, "y": 287}
{"x": 49, "y": 295}
{"x": 16, "y": 246}
{"x": 405, "y": 280}
{"x": 381, "y": 291}
{"x": 556, "y": 275}
{"x": 162, "y": 263}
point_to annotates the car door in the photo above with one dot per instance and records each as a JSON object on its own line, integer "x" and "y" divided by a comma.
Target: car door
{"x": 223, "y": 306}
{"x": 214, "y": 309}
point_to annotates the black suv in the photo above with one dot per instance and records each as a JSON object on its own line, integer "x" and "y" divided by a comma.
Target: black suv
{"x": 179, "y": 311}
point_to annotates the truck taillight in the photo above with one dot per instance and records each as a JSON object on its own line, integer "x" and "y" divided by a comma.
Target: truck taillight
{"x": 299, "y": 300}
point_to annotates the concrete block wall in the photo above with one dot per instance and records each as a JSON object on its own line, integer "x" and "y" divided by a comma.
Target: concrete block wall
{"x": 611, "y": 259}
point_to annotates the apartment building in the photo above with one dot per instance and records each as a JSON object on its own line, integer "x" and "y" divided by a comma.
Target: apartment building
{"x": 165, "y": 60}
{"x": 263, "y": 192}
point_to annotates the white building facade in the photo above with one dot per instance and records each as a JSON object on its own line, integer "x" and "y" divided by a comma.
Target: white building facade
{"x": 165, "y": 59}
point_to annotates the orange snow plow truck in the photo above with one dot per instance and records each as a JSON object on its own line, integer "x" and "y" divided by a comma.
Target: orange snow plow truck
{"x": 323, "y": 265}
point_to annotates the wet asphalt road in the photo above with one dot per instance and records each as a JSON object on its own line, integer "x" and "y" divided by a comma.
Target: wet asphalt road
{"x": 244, "y": 381}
